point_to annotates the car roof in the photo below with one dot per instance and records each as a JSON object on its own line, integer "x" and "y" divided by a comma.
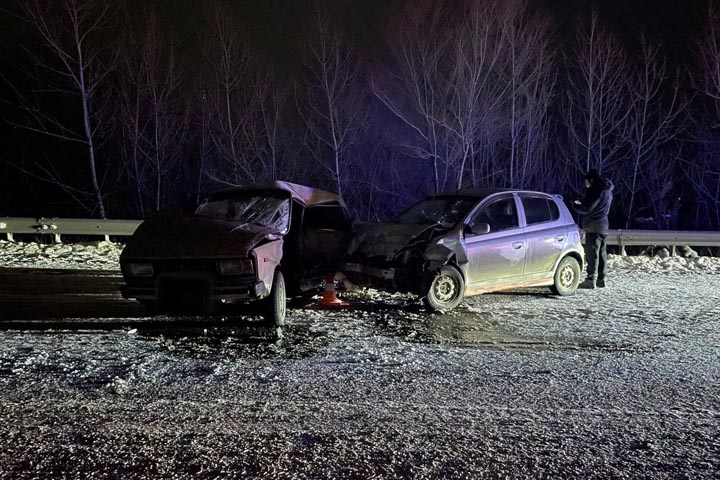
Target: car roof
{"x": 485, "y": 192}
{"x": 479, "y": 192}
{"x": 308, "y": 196}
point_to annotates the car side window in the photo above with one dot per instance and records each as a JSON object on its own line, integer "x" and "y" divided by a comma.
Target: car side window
{"x": 500, "y": 214}
{"x": 539, "y": 210}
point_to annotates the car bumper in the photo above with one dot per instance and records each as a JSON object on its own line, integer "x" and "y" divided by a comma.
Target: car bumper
{"x": 377, "y": 272}
{"x": 215, "y": 294}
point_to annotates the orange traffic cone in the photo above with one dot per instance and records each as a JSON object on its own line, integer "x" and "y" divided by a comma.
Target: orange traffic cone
{"x": 329, "y": 299}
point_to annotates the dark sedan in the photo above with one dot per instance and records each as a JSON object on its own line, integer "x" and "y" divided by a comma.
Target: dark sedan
{"x": 257, "y": 243}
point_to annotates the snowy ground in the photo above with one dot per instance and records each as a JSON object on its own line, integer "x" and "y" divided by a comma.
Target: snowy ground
{"x": 106, "y": 255}
{"x": 616, "y": 383}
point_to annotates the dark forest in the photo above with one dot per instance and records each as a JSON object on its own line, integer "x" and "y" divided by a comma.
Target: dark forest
{"x": 118, "y": 110}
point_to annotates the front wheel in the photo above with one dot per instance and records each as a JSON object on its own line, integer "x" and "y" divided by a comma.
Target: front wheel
{"x": 446, "y": 289}
{"x": 567, "y": 277}
{"x": 275, "y": 306}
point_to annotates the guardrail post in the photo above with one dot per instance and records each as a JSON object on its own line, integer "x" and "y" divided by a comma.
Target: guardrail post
{"x": 3, "y": 226}
{"x": 57, "y": 238}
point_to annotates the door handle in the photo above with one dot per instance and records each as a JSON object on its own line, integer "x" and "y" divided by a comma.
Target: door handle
{"x": 560, "y": 238}
{"x": 517, "y": 245}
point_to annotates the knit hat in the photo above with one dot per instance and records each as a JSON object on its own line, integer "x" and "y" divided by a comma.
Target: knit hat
{"x": 593, "y": 176}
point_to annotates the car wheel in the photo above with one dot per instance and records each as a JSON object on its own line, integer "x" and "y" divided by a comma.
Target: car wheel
{"x": 567, "y": 277}
{"x": 446, "y": 289}
{"x": 275, "y": 306}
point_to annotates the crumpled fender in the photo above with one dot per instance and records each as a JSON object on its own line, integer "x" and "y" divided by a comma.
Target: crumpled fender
{"x": 440, "y": 254}
{"x": 437, "y": 256}
{"x": 267, "y": 258}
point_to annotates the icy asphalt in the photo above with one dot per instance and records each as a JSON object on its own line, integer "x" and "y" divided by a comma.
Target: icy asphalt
{"x": 615, "y": 383}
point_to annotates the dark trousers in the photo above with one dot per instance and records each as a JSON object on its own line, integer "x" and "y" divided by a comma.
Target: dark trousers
{"x": 596, "y": 255}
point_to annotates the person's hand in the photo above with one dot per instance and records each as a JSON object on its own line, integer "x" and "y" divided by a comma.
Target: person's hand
{"x": 578, "y": 202}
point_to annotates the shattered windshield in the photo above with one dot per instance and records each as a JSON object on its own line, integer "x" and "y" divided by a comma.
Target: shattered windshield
{"x": 446, "y": 211}
{"x": 264, "y": 211}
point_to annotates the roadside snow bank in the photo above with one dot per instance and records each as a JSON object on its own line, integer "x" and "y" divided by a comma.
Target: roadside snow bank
{"x": 105, "y": 256}
{"x": 86, "y": 256}
{"x": 661, "y": 264}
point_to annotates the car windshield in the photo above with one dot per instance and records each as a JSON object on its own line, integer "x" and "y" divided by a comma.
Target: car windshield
{"x": 265, "y": 211}
{"x": 446, "y": 211}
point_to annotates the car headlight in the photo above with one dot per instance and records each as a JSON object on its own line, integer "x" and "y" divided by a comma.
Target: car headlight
{"x": 139, "y": 269}
{"x": 235, "y": 267}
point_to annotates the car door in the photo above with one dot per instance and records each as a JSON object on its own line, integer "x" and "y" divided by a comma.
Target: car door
{"x": 326, "y": 235}
{"x": 498, "y": 257}
{"x": 546, "y": 234}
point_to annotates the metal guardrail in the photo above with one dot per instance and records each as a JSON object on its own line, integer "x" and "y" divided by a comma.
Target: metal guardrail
{"x": 661, "y": 238}
{"x": 67, "y": 226}
{"x": 125, "y": 228}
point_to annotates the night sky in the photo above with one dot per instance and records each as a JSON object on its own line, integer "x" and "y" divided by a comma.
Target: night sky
{"x": 276, "y": 26}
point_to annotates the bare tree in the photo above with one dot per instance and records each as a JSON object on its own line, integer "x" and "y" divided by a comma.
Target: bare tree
{"x": 650, "y": 124}
{"x": 244, "y": 103}
{"x": 78, "y": 64}
{"x": 153, "y": 114}
{"x": 333, "y": 103}
{"x": 594, "y": 106}
{"x": 477, "y": 90}
{"x": 272, "y": 99}
{"x": 417, "y": 92}
{"x": 230, "y": 64}
{"x": 471, "y": 81}
{"x": 529, "y": 75}
{"x": 704, "y": 170}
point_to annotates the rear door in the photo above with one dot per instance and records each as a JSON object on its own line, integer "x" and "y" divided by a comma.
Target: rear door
{"x": 546, "y": 234}
{"x": 496, "y": 258}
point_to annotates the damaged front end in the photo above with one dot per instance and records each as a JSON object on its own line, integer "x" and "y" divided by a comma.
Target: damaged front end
{"x": 226, "y": 252}
{"x": 399, "y": 257}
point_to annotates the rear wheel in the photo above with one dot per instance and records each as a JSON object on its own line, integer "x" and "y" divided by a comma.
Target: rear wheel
{"x": 445, "y": 290}
{"x": 567, "y": 277}
{"x": 275, "y": 306}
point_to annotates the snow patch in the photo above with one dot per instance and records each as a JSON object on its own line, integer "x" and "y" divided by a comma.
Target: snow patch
{"x": 86, "y": 256}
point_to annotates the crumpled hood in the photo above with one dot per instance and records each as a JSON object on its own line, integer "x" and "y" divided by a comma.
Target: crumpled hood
{"x": 384, "y": 240}
{"x": 178, "y": 235}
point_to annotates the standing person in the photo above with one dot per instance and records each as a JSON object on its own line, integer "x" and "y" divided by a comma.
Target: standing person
{"x": 594, "y": 208}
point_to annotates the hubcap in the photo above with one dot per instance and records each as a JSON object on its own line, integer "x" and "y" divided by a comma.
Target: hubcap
{"x": 567, "y": 276}
{"x": 445, "y": 288}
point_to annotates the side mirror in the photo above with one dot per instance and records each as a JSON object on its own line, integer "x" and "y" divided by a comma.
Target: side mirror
{"x": 480, "y": 228}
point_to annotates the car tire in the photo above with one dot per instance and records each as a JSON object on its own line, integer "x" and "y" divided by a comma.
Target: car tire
{"x": 445, "y": 289}
{"x": 567, "y": 277}
{"x": 275, "y": 307}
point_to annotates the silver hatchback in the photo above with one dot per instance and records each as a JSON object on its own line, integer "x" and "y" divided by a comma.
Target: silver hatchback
{"x": 469, "y": 242}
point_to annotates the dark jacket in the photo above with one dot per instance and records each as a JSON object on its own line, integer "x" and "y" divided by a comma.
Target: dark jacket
{"x": 595, "y": 207}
